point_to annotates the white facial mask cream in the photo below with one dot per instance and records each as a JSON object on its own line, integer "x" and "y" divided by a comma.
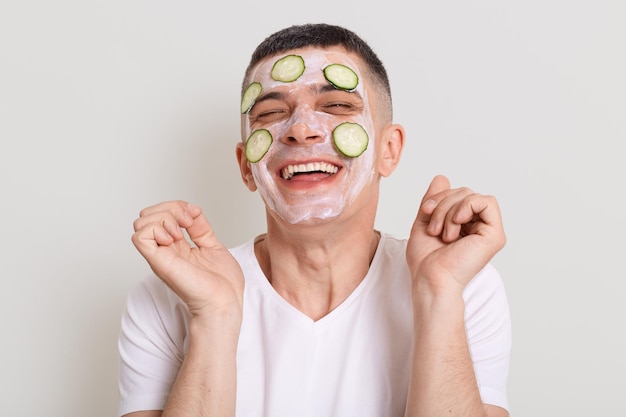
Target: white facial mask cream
{"x": 284, "y": 159}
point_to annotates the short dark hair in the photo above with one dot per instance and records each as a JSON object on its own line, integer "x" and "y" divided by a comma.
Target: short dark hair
{"x": 321, "y": 35}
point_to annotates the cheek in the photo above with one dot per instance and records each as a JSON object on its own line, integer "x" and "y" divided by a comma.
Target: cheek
{"x": 362, "y": 166}
{"x": 262, "y": 177}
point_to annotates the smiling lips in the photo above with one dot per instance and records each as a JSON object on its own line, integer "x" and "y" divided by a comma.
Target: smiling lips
{"x": 312, "y": 167}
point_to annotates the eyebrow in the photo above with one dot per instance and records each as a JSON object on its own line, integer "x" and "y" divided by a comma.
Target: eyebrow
{"x": 326, "y": 88}
{"x": 272, "y": 95}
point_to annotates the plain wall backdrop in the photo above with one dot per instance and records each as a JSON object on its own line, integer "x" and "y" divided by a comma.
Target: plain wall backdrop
{"x": 110, "y": 106}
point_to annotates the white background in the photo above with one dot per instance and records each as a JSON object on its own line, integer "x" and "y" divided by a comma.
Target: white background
{"x": 109, "y": 106}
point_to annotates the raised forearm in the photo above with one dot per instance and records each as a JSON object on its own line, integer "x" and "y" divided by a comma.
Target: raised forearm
{"x": 443, "y": 382}
{"x": 207, "y": 381}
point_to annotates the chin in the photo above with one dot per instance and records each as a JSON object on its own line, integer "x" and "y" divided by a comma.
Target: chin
{"x": 308, "y": 217}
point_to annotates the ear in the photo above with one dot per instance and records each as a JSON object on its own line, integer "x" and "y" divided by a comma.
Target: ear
{"x": 244, "y": 167}
{"x": 390, "y": 149}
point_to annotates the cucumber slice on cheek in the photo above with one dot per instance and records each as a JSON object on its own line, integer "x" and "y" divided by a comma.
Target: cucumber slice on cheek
{"x": 350, "y": 139}
{"x": 287, "y": 69}
{"x": 257, "y": 145}
{"x": 341, "y": 77}
{"x": 250, "y": 95}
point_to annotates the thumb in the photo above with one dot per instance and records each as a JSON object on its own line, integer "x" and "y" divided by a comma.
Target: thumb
{"x": 201, "y": 232}
{"x": 439, "y": 184}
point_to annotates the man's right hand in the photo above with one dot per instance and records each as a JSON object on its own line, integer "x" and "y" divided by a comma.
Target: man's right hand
{"x": 204, "y": 275}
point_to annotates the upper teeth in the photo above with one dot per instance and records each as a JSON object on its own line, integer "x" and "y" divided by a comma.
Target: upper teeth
{"x": 289, "y": 171}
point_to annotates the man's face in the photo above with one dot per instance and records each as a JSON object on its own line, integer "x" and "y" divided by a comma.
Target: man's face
{"x": 303, "y": 176}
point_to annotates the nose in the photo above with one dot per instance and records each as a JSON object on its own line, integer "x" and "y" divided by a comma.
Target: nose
{"x": 302, "y": 134}
{"x": 304, "y": 129}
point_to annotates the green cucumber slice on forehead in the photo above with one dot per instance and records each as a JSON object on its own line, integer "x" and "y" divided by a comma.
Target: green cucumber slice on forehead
{"x": 257, "y": 145}
{"x": 350, "y": 139}
{"x": 287, "y": 69}
{"x": 341, "y": 76}
{"x": 250, "y": 95}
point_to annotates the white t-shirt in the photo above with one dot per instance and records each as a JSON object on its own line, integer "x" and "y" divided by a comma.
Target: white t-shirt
{"x": 355, "y": 361}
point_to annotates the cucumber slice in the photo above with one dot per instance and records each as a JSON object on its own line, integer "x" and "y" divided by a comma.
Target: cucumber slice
{"x": 257, "y": 145}
{"x": 351, "y": 139}
{"x": 287, "y": 69}
{"x": 341, "y": 76}
{"x": 250, "y": 95}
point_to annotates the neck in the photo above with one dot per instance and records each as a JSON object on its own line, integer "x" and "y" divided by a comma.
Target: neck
{"x": 315, "y": 268}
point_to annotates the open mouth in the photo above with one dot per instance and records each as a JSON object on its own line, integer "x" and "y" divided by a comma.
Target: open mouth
{"x": 291, "y": 171}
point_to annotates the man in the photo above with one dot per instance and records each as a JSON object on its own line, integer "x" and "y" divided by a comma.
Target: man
{"x": 322, "y": 315}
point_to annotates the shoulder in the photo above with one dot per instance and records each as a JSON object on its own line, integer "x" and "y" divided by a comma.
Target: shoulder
{"x": 389, "y": 267}
{"x": 487, "y": 314}
{"x": 485, "y": 295}
{"x": 486, "y": 284}
{"x": 391, "y": 246}
{"x": 154, "y": 310}
{"x": 151, "y": 291}
{"x": 244, "y": 253}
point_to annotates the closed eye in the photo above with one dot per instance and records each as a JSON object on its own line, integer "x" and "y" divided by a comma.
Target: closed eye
{"x": 268, "y": 110}
{"x": 267, "y": 116}
{"x": 339, "y": 102}
{"x": 341, "y": 108}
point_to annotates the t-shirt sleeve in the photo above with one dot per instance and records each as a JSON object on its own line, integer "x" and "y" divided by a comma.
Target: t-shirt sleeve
{"x": 488, "y": 327}
{"x": 151, "y": 346}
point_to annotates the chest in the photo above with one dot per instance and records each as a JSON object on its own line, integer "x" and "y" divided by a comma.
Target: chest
{"x": 351, "y": 362}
